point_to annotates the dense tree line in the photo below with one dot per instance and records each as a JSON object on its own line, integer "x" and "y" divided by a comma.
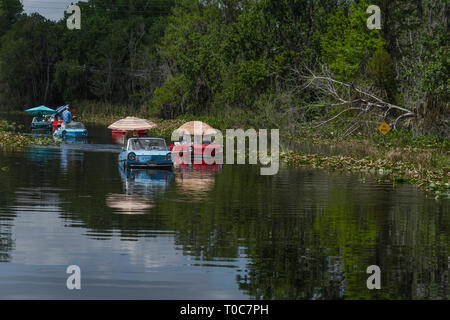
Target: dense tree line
{"x": 232, "y": 57}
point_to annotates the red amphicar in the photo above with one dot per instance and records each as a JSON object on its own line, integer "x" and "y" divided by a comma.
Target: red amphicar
{"x": 187, "y": 151}
{"x": 56, "y": 118}
{"x": 56, "y": 124}
{"x": 118, "y": 136}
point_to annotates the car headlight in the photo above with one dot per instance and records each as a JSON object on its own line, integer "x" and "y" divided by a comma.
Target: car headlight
{"x": 64, "y": 132}
{"x": 131, "y": 156}
{"x": 169, "y": 157}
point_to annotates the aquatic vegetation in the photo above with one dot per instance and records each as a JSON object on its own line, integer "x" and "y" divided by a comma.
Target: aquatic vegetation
{"x": 435, "y": 181}
{"x": 11, "y": 140}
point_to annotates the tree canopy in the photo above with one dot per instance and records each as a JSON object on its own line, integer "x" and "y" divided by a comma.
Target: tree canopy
{"x": 219, "y": 57}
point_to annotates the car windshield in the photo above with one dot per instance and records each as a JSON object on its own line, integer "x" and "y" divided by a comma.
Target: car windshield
{"x": 40, "y": 119}
{"x": 72, "y": 125}
{"x": 147, "y": 144}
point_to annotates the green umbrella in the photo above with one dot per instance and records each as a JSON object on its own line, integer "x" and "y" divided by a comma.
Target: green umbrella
{"x": 41, "y": 109}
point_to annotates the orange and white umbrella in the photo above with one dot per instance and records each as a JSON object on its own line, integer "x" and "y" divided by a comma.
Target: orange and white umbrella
{"x": 132, "y": 123}
{"x": 196, "y": 127}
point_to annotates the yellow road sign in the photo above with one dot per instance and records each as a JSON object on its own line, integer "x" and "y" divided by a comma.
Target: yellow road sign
{"x": 384, "y": 128}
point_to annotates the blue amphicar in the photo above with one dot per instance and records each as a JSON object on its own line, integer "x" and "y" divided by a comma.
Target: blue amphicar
{"x": 146, "y": 153}
{"x": 42, "y": 123}
{"x": 72, "y": 129}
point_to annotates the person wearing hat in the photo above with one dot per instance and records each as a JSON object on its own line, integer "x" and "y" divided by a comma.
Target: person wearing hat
{"x": 67, "y": 115}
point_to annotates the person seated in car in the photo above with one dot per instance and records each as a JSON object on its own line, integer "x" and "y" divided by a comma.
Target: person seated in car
{"x": 39, "y": 117}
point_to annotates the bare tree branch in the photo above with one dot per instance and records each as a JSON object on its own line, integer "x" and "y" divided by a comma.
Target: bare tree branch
{"x": 351, "y": 96}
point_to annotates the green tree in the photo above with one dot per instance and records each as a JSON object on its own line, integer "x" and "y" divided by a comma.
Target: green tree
{"x": 382, "y": 68}
{"x": 27, "y": 55}
{"x": 9, "y": 13}
{"x": 348, "y": 44}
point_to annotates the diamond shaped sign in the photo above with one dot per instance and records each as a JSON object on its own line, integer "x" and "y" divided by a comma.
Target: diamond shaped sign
{"x": 384, "y": 128}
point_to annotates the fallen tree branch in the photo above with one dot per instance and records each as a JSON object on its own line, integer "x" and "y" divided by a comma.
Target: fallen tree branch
{"x": 350, "y": 96}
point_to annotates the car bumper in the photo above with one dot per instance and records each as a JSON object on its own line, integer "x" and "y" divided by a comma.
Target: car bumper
{"x": 148, "y": 164}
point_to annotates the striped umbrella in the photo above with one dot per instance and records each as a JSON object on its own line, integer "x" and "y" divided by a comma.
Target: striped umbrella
{"x": 132, "y": 123}
{"x": 196, "y": 127}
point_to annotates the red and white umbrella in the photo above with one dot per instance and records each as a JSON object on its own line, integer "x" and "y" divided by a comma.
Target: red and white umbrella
{"x": 132, "y": 123}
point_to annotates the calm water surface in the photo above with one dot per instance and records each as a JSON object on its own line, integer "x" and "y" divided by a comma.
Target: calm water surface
{"x": 209, "y": 232}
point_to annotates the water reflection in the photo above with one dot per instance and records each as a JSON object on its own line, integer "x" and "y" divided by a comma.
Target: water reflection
{"x": 142, "y": 189}
{"x": 41, "y": 155}
{"x": 68, "y": 157}
{"x": 148, "y": 182}
{"x": 195, "y": 181}
{"x": 128, "y": 203}
{"x": 72, "y": 140}
{"x": 6, "y": 245}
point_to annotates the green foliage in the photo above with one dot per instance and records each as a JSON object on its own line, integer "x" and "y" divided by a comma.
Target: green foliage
{"x": 9, "y": 13}
{"x": 169, "y": 100}
{"x": 244, "y": 82}
{"x": 348, "y": 44}
{"x": 437, "y": 64}
{"x": 382, "y": 68}
{"x": 112, "y": 58}
{"x": 26, "y": 57}
{"x": 68, "y": 78}
{"x": 227, "y": 57}
{"x": 405, "y": 138}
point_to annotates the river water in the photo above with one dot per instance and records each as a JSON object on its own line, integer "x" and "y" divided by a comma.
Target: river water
{"x": 210, "y": 232}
